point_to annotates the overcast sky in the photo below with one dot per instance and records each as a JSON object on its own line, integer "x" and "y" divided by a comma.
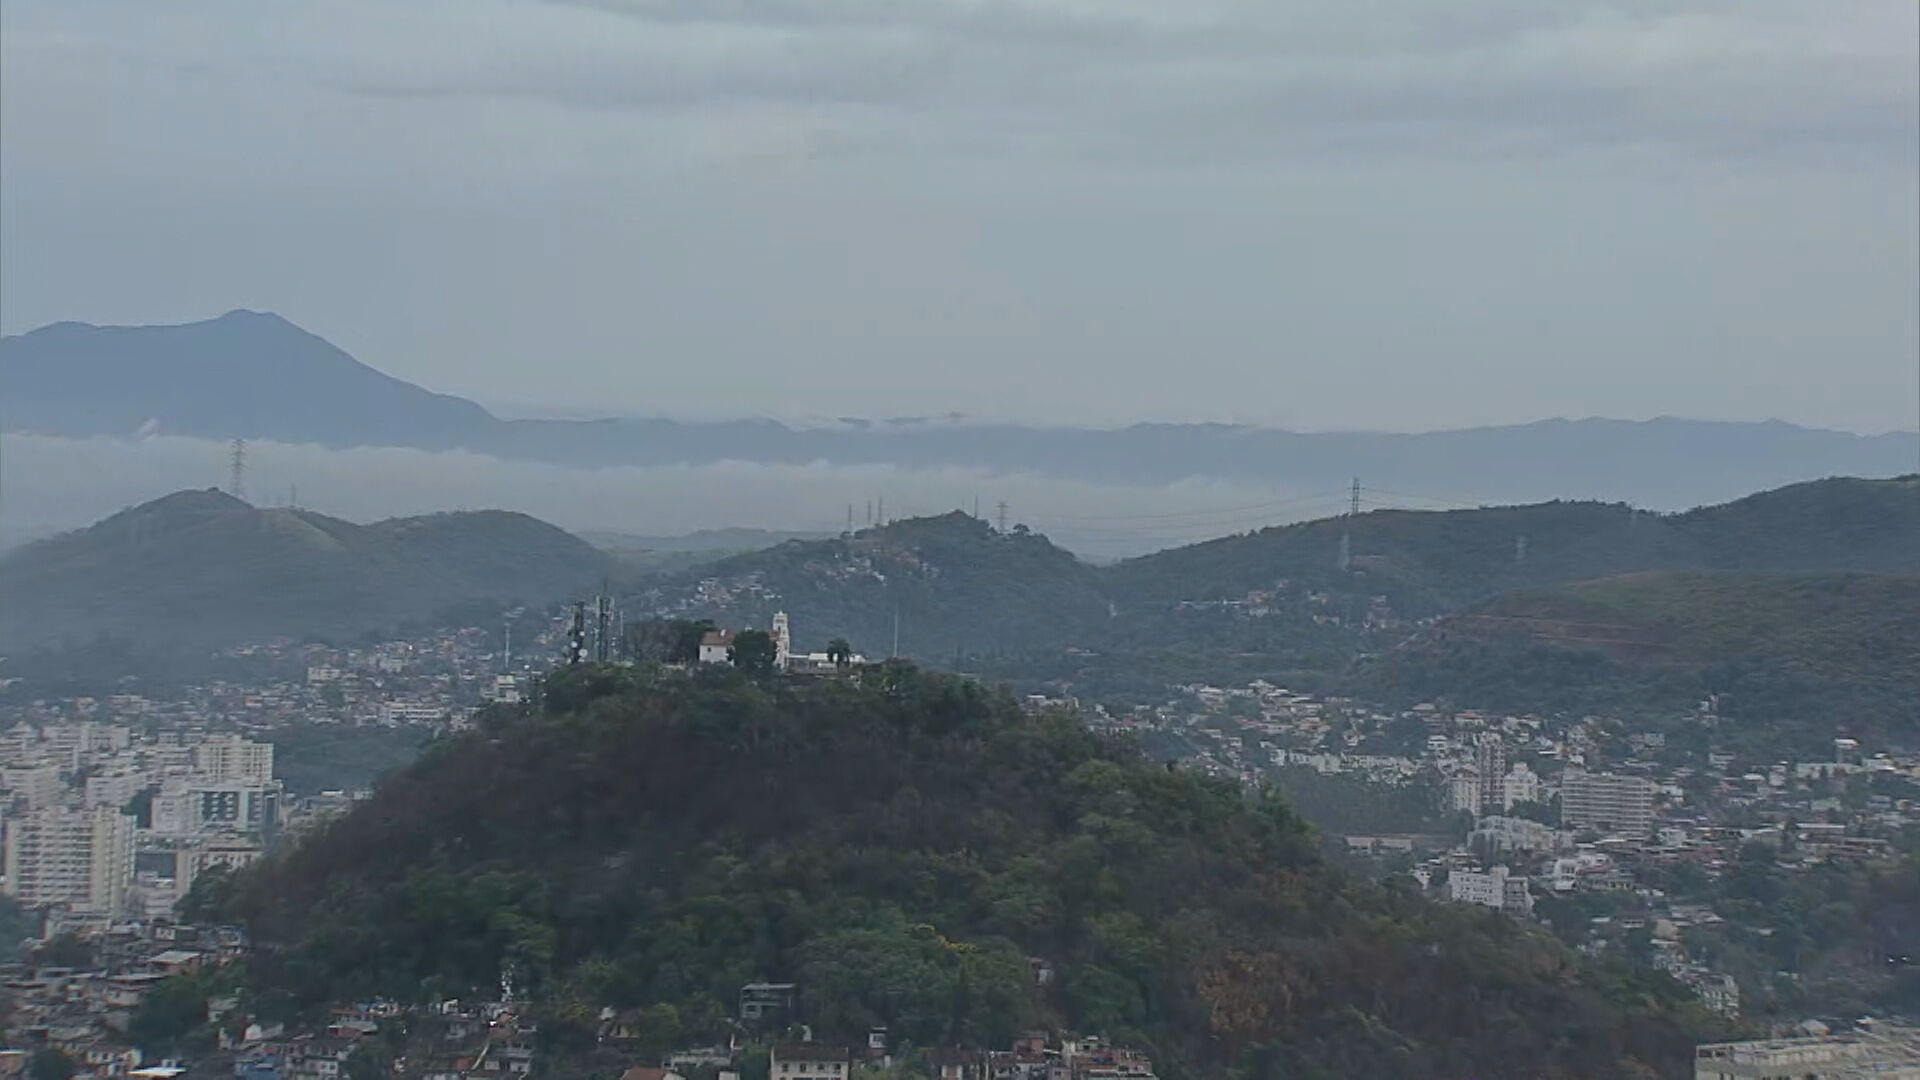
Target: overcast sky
{"x": 1419, "y": 214}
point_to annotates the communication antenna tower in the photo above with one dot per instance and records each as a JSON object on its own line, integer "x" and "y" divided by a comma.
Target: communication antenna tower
{"x": 1345, "y": 561}
{"x": 603, "y": 626}
{"x": 237, "y": 466}
{"x": 577, "y": 635}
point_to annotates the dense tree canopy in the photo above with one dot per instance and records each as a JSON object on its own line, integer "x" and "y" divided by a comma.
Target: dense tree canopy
{"x": 911, "y": 849}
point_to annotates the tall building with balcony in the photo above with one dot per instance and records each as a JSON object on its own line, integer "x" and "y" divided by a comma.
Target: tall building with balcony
{"x": 78, "y": 859}
{"x": 1606, "y": 803}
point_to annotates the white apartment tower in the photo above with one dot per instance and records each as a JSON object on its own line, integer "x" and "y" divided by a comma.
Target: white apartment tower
{"x": 80, "y": 859}
{"x": 233, "y": 758}
{"x": 1607, "y": 803}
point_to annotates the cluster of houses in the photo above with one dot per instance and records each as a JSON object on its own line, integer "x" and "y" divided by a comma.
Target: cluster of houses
{"x": 84, "y": 1009}
{"x": 1527, "y": 808}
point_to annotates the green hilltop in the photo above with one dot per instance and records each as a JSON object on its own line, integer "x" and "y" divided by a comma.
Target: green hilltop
{"x": 958, "y": 585}
{"x": 199, "y": 570}
{"x": 911, "y": 849}
{"x": 1276, "y": 603}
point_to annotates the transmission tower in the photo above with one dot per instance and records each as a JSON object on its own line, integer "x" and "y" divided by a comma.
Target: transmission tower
{"x": 1001, "y": 506}
{"x": 1353, "y": 502}
{"x": 237, "y": 465}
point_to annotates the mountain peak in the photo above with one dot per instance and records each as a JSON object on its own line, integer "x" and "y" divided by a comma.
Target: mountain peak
{"x": 248, "y": 315}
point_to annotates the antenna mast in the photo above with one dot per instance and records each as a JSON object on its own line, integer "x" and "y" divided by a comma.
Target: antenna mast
{"x": 577, "y": 635}
{"x": 603, "y": 626}
{"x": 1345, "y": 561}
{"x": 237, "y": 466}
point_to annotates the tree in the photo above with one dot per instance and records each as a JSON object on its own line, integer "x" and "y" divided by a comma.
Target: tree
{"x": 48, "y": 1063}
{"x": 840, "y": 653}
{"x": 667, "y": 641}
{"x": 169, "y": 1014}
{"x": 753, "y": 652}
{"x": 64, "y": 950}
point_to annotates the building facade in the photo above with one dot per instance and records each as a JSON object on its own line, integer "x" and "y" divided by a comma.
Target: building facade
{"x": 78, "y": 859}
{"x": 1606, "y": 803}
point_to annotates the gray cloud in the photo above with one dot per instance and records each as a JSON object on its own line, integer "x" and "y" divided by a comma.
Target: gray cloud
{"x": 1430, "y": 213}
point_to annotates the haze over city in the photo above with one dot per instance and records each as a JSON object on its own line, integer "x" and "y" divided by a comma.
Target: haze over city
{"x": 959, "y": 539}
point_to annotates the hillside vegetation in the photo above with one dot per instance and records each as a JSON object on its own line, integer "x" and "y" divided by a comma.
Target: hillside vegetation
{"x": 1276, "y": 603}
{"x": 1803, "y": 656}
{"x": 909, "y": 848}
{"x": 950, "y": 583}
{"x": 198, "y": 570}
{"x": 1430, "y": 562}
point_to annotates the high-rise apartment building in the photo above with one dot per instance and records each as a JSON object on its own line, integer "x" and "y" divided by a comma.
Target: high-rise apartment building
{"x": 233, "y": 758}
{"x": 1490, "y": 761}
{"x": 80, "y": 859}
{"x": 1606, "y": 803}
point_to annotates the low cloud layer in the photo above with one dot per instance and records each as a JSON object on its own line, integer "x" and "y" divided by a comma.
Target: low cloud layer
{"x": 52, "y": 484}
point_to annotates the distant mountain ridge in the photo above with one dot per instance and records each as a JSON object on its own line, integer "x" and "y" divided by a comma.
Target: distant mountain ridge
{"x": 952, "y": 584}
{"x": 198, "y": 570}
{"x": 245, "y": 374}
{"x": 1431, "y": 562}
{"x": 255, "y": 375}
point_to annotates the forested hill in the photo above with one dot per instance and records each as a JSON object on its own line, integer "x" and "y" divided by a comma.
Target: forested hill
{"x": 948, "y": 584}
{"x": 908, "y": 848}
{"x": 956, "y": 584}
{"x": 200, "y": 569}
{"x": 1432, "y": 562}
{"x": 1791, "y": 659}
